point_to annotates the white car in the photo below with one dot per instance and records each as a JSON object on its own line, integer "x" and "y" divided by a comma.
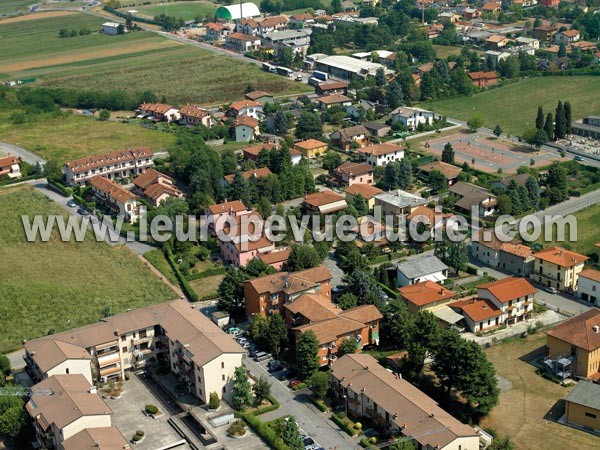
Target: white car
{"x": 552, "y": 290}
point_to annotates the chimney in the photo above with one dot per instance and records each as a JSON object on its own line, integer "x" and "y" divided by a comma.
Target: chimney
{"x": 596, "y": 329}
{"x": 93, "y": 390}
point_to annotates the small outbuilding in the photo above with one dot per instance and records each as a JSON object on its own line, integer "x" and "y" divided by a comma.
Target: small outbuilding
{"x": 237, "y": 11}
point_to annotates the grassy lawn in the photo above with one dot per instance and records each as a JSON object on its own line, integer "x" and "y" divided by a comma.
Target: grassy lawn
{"x": 527, "y": 399}
{"x": 588, "y": 232}
{"x": 12, "y": 6}
{"x": 72, "y": 136}
{"x": 158, "y": 260}
{"x": 53, "y": 286}
{"x": 514, "y": 106}
{"x": 205, "y": 286}
{"x": 443, "y": 51}
{"x": 185, "y": 10}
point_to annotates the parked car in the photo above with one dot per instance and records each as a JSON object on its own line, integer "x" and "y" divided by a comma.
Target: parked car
{"x": 578, "y": 158}
{"x": 552, "y": 290}
{"x": 294, "y": 382}
{"x": 234, "y": 330}
{"x": 72, "y": 203}
{"x": 274, "y": 366}
{"x": 261, "y": 356}
{"x": 81, "y": 210}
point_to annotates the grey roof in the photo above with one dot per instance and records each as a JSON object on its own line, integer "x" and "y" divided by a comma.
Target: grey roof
{"x": 375, "y": 125}
{"x": 448, "y": 315}
{"x": 277, "y": 36}
{"x": 401, "y": 199}
{"x": 426, "y": 265}
{"x": 585, "y": 393}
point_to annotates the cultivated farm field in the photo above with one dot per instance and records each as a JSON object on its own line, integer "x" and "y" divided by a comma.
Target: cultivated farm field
{"x": 514, "y": 106}
{"x": 13, "y": 6}
{"x": 185, "y": 10}
{"x": 66, "y": 137}
{"x": 54, "y": 286}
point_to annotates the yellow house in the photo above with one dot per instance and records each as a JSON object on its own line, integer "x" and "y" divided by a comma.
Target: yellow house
{"x": 582, "y": 406}
{"x": 578, "y": 338}
{"x": 558, "y": 268}
{"x": 311, "y": 148}
{"x": 366, "y": 191}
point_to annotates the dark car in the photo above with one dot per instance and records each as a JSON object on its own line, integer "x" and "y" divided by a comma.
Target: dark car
{"x": 274, "y": 366}
{"x": 82, "y": 211}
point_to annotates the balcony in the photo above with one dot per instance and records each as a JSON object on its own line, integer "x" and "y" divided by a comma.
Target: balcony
{"x": 110, "y": 370}
{"x": 141, "y": 340}
{"x": 108, "y": 360}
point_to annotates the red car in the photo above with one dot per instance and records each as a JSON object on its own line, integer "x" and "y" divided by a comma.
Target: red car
{"x": 294, "y": 382}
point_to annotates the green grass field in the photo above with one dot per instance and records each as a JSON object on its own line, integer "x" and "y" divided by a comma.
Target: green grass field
{"x": 514, "y": 106}
{"x": 13, "y": 6}
{"x": 50, "y": 287}
{"x": 133, "y": 62}
{"x": 185, "y": 10}
{"x": 72, "y": 136}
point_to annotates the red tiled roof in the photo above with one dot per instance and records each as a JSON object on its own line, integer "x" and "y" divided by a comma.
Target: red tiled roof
{"x": 246, "y": 121}
{"x": 322, "y": 198}
{"x": 8, "y": 161}
{"x": 160, "y": 108}
{"x": 255, "y": 95}
{"x": 111, "y": 188}
{"x": 367, "y": 191}
{"x": 591, "y": 274}
{"x": 571, "y": 33}
{"x": 380, "y": 149}
{"x": 193, "y": 111}
{"x": 252, "y": 173}
{"x": 509, "y": 288}
{"x": 228, "y": 207}
{"x": 477, "y": 309}
{"x": 119, "y": 156}
{"x": 243, "y": 37}
{"x": 310, "y": 144}
{"x": 579, "y": 330}
{"x": 333, "y": 99}
{"x": 425, "y": 293}
{"x": 239, "y": 105}
{"x": 561, "y": 257}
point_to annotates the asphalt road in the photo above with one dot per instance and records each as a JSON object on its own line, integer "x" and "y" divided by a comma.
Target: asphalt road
{"x": 25, "y": 155}
{"x": 309, "y": 418}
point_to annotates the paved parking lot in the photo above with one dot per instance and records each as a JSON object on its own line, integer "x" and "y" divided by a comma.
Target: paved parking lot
{"x": 128, "y": 417}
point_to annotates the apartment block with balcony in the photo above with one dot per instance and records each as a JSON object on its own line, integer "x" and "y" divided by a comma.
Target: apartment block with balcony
{"x": 119, "y": 164}
{"x": 170, "y": 333}
{"x": 558, "y": 268}
{"x": 514, "y": 297}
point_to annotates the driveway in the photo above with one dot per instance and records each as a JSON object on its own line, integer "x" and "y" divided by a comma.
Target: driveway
{"x": 309, "y": 418}
{"x": 331, "y": 263}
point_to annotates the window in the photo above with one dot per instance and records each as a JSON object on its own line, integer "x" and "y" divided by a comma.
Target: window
{"x": 590, "y": 415}
{"x": 223, "y": 377}
{"x": 222, "y": 365}
{"x": 123, "y": 337}
{"x": 124, "y": 349}
{"x": 67, "y": 371}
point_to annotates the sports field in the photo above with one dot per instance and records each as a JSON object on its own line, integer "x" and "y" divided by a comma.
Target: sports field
{"x": 50, "y": 287}
{"x": 133, "y": 62}
{"x": 514, "y": 107}
{"x": 184, "y": 10}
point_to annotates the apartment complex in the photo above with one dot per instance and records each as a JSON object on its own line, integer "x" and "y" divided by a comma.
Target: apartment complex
{"x": 589, "y": 286}
{"x": 332, "y": 325}
{"x": 267, "y": 295}
{"x": 512, "y": 257}
{"x": 119, "y": 164}
{"x": 575, "y": 345}
{"x": 512, "y": 296}
{"x": 370, "y": 390}
{"x": 156, "y": 187}
{"x": 558, "y": 268}
{"x": 173, "y": 333}
{"x": 116, "y": 198}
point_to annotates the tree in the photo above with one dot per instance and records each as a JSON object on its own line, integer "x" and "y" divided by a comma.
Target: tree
{"x": 504, "y": 204}
{"x": 347, "y": 301}
{"x": 448, "y": 153}
{"x": 281, "y": 123}
{"x": 549, "y": 127}
{"x": 560, "y": 126}
{"x": 404, "y": 173}
{"x": 539, "y": 138}
{"x": 285, "y": 56}
{"x": 319, "y": 383}
{"x": 242, "y": 390}
{"x": 332, "y": 160}
{"x": 262, "y": 390}
{"x": 53, "y": 171}
{"x": 276, "y": 336}
{"x": 348, "y": 346}
{"x": 539, "y": 120}
{"x": 336, "y": 6}
{"x": 104, "y": 115}
{"x": 359, "y": 202}
{"x": 307, "y": 359}
{"x": 533, "y": 192}
{"x": 380, "y": 77}
{"x": 309, "y": 126}
{"x": 258, "y": 329}
{"x": 437, "y": 181}
{"x": 557, "y": 187}
{"x": 231, "y": 291}
{"x": 4, "y": 365}
{"x": 303, "y": 256}
{"x": 364, "y": 288}
{"x": 291, "y": 435}
{"x": 497, "y": 131}
{"x": 568, "y": 118}
{"x": 214, "y": 402}
{"x": 562, "y": 50}
{"x": 475, "y": 122}
{"x": 12, "y": 420}
{"x": 403, "y": 444}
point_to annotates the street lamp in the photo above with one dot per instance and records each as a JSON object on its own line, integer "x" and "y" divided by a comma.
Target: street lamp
{"x": 346, "y": 404}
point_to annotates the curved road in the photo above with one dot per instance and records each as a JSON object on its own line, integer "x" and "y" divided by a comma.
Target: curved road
{"x": 25, "y": 155}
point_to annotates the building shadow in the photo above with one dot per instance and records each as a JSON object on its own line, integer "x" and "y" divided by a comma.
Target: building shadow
{"x": 556, "y": 412}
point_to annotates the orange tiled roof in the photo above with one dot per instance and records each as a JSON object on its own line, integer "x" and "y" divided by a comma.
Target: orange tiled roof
{"x": 509, "y": 288}
{"x": 246, "y": 120}
{"x": 425, "y": 293}
{"x": 228, "y": 207}
{"x": 561, "y": 257}
{"x": 119, "y": 156}
{"x": 111, "y": 188}
{"x": 160, "y": 108}
{"x": 591, "y": 274}
{"x": 8, "y": 161}
{"x": 367, "y": 191}
{"x": 252, "y": 173}
{"x": 579, "y": 330}
{"x": 380, "y": 149}
{"x": 310, "y": 144}
{"x": 193, "y": 111}
{"x": 477, "y": 309}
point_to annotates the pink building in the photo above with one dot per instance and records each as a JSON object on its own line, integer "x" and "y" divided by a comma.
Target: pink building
{"x": 240, "y": 253}
{"x": 216, "y": 213}
{"x": 351, "y": 173}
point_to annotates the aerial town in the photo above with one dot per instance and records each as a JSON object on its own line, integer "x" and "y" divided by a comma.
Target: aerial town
{"x": 299, "y": 224}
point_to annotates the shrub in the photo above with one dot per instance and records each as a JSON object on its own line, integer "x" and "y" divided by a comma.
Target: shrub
{"x": 151, "y": 409}
{"x": 264, "y": 431}
{"x": 320, "y": 404}
{"x": 358, "y": 426}
{"x": 139, "y": 432}
{"x": 136, "y": 438}
{"x": 237, "y": 428}
{"x": 214, "y": 401}
{"x": 344, "y": 425}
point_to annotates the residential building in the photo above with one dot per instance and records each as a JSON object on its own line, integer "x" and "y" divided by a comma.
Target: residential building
{"x": 260, "y": 27}
{"x": 216, "y": 214}
{"x": 426, "y": 268}
{"x": 332, "y": 87}
{"x": 369, "y": 390}
{"x": 10, "y": 166}
{"x": 73, "y": 406}
{"x": 425, "y": 296}
{"x": 156, "y": 187}
{"x": 311, "y": 148}
{"x": 550, "y": 3}
{"x": 436, "y": 220}
{"x": 381, "y": 154}
{"x": 578, "y": 341}
{"x": 474, "y": 197}
{"x": 217, "y": 31}
{"x": 159, "y": 112}
{"x": 582, "y": 406}
{"x": 589, "y": 286}
{"x": 585, "y": 46}
{"x": 118, "y": 164}
{"x": 251, "y": 152}
{"x": 448, "y": 17}
{"x": 398, "y": 202}
{"x": 378, "y": 129}
{"x": 277, "y": 258}
{"x": 193, "y": 115}
{"x": 245, "y": 129}
{"x": 567, "y": 37}
{"x": 346, "y": 67}
{"x": 301, "y": 20}
{"x": 503, "y": 183}
{"x": 512, "y": 296}
{"x": 261, "y": 172}
{"x": 483, "y": 79}
{"x": 516, "y": 258}
{"x": 111, "y": 28}
{"x": 366, "y": 191}
{"x": 240, "y": 252}
{"x": 411, "y": 118}
{"x": 496, "y": 41}
{"x": 363, "y": 108}
{"x": 494, "y": 57}
{"x": 261, "y": 97}
{"x": 350, "y": 172}
{"x": 328, "y": 101}
{"x": 479, "y": 314}
{"x": 104, "y": 438}
{"x": 116, "y": 198}
{"x": 326, "y": 202}
{"x": 471, "y": 13}
{"x": 246, "y": 107}
{"x": 296, "y": 40}
{"x": 242, "y": 43}
{"x": 268, "y": 294}
{"x": 450, "y": 171}
{"x": 346, "y": 138}
{"x": 524, "y": 41}
{"x": 332, "y": 325}
{"x": 588, "y": 127}
{"x": 197, "y": 351}
{"x": 558, "y": 268}
{"x": 545, "y": 33}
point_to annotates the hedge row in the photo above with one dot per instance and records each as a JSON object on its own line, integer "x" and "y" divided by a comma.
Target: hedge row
{"x": 20, "y": 180}
{"x": 126, "y": 16}
{"x": 320, "y": 404}
{"x": 207, "y": 273}
{"x": 390, "y": 292}
{"x": 272, "y": 407}
{"x": 185, "y": 286}
{"x": 344, "y": 425}
{"x": 265, "y": 432}
{"x": 61, "y": 188}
